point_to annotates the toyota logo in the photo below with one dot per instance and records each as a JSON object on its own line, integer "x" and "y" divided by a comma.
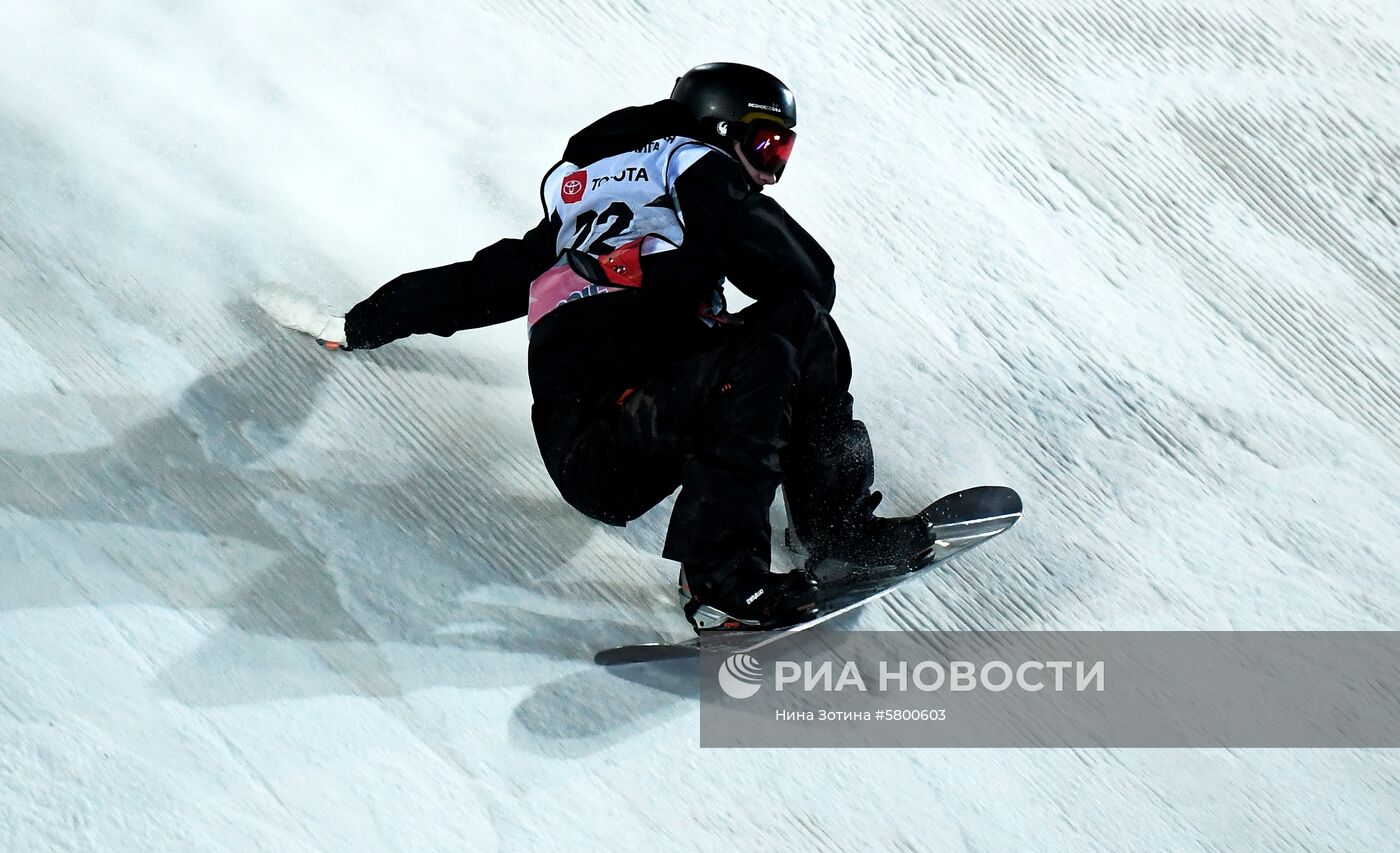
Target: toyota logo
{"x": 574, "y": 186}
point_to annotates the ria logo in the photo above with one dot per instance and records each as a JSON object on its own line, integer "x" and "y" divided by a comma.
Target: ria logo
{"x": 740, "y": 676}
{"x": 574, "y": 186}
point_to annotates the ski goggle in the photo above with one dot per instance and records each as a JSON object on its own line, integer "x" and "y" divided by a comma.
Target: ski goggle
{"x": 767, "y": 145}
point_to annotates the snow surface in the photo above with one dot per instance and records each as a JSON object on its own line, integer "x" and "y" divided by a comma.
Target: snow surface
{"x": 1139, "y": 260}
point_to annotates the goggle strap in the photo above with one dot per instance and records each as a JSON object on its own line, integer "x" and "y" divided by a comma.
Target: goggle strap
{"x": 748, "y": 117}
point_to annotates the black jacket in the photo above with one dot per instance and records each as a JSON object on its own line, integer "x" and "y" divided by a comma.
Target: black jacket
{"x": 615, "y": 340}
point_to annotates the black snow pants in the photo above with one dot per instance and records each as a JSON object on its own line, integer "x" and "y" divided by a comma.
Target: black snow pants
{"x": 765, "y": 401}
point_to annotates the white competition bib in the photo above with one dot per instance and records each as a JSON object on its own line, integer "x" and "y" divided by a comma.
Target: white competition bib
{"x": 615, "y": 210}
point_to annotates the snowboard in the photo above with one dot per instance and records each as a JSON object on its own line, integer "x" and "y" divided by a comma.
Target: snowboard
{"x": 961, "y": 521}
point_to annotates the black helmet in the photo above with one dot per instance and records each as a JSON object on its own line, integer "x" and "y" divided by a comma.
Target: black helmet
{"x": 728, "y": 92}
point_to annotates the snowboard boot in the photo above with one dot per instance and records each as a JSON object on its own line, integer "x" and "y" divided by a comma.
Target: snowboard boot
{"x": 860, "y": 538}
{"x": 742, "y": 595}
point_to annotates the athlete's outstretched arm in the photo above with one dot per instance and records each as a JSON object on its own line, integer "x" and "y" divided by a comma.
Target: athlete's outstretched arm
{"x": 492, "y": 287}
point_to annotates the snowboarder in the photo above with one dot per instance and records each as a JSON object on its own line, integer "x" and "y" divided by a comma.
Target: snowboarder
{"x": 643, "y": 381}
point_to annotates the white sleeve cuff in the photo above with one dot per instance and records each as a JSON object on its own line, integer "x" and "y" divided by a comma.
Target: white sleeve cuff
{"x": 333, "y": 330}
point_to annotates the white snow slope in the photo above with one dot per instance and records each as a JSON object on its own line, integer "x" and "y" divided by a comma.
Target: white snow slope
{"x": 1139, "y": 260}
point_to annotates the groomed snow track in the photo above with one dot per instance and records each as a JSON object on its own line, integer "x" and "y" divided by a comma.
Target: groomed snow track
{"x": 1140, "y": 261}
